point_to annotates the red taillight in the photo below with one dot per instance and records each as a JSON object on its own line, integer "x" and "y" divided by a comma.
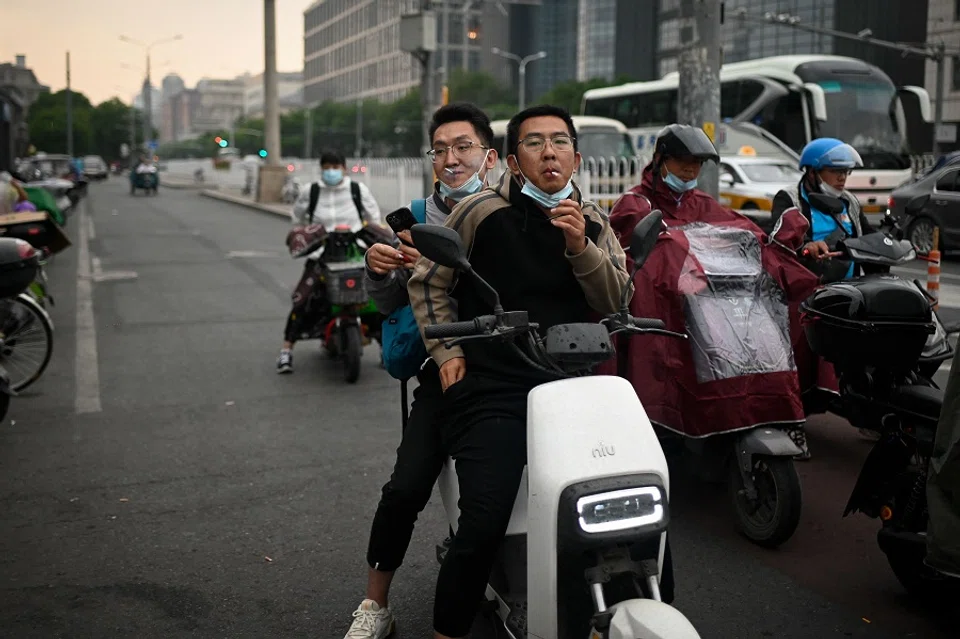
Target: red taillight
{"x": 34, "y": 231}
{"x": 890, "y": 202}
{"x": 351, "y": 283}
{"x": 24, "y": 250}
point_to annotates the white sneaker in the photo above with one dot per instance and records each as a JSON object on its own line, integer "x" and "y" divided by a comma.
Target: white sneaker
{"x": 370, "y": 621}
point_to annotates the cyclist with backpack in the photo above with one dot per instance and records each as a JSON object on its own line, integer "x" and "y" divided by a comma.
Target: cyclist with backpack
{"x": 334, "y": 201}
{"x": 462, "y": 154}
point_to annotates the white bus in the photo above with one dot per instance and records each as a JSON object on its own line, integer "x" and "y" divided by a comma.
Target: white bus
{"x": 795, "y": 99}
{"x": 596, "y": 137}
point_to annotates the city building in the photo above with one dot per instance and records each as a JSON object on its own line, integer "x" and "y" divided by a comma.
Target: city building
{"x": 19, "y": 88}
{"x": 17, "y": 76}
{"x": 289, "y": 93}
{"x": 943, "y": 25}
{"x": 615, "y": 38}
{"x": 352, "y": 47}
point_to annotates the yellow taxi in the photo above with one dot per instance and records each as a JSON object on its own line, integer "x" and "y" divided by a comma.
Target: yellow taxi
{"x": 750, "y": 182}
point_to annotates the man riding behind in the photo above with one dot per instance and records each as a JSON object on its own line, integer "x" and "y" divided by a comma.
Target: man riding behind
{"x": 462, "y": 156}
{"x": 334, "y": 200}
{"x": 546, "y": 251}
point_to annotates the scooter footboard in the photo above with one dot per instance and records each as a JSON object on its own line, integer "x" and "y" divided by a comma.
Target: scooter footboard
{"x": 649, "y": 619}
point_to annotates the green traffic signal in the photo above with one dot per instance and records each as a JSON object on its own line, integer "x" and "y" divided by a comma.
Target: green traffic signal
{"x": 224, "y": 144}
{"x": 263, "y": 153}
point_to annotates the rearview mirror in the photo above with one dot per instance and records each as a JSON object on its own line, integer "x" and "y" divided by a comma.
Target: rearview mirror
{"x": 726, "y": 180}
{"x": 644, "y": 237}
{"x": 440, "y": 244}
{"x": 826, "y": 203}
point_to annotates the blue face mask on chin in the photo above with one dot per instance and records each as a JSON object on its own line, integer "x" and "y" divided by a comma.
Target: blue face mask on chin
{"x": 471, "y": 186}
{"x": 331, "y": 177}
{"x": 544, "y": 199}
{"x": 677, "y": 185}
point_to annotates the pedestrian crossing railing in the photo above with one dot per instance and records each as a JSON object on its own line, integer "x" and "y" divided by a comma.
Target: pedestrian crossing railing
{"x": 396, "y": 181}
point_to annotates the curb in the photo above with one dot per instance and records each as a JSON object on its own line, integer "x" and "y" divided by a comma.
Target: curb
{"x": 188, "y": 185}
{"x": 273, "y": 209}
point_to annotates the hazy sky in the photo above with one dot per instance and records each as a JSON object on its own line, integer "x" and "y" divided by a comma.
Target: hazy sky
{"x": 221, "y": 38}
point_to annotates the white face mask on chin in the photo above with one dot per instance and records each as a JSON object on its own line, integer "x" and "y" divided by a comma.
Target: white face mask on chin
{"x": 829, "y": 190}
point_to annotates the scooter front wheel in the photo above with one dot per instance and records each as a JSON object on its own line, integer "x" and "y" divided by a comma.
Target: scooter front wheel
{"x": 352, "y": 352}
{"x": 771, "y": 516}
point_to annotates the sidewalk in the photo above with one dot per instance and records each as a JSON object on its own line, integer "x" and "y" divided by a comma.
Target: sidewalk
{"x": 184, "y": 182}
{"x": 234, "y": 196}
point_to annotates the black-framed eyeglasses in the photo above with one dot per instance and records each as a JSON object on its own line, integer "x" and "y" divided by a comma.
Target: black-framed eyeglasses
{"x": 537, "y": 143}
{"x": 460, "y": 150}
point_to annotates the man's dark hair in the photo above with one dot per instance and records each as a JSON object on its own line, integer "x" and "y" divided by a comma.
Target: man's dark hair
{"x": 541, "y": 110}
{"x": 464, "y": 112}
{"x": 332, "y": 156}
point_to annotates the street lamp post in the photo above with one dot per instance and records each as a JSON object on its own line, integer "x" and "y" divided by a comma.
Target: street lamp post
{"x": 522, "y": 62}
{"x": 148, "y": 86}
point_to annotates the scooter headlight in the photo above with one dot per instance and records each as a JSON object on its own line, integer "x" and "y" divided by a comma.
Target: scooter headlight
{"x": 621, "y": 509}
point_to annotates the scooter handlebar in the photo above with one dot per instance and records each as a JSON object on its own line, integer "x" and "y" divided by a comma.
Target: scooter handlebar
{"x": 477, "y": 326}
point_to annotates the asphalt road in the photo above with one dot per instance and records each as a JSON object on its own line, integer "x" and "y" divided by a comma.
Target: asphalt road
{"x": 162, "y": 481}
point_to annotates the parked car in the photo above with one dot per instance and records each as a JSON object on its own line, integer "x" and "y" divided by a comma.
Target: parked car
{"x": 94, "y": 168}
{"x": 750, "y": 182}
{"x": 930, "y": 200}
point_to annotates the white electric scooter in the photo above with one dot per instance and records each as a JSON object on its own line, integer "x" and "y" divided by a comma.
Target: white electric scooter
{"x": 588, "y": 529}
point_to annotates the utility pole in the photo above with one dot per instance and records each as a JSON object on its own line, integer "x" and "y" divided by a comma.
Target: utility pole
{"x": 69, "y": 111}
{"x": 308, "y": 133}
{"x": 148, "y": 107}
{"x": 418, "y": 37}
{"x": 272, "y": 175}
{"x": 466, "y": 33}
{"x": 698, "y": 101}
{"x": 939, "y": 52}
{"x": 358, "y": 149}
{"x": 445, "y": 51}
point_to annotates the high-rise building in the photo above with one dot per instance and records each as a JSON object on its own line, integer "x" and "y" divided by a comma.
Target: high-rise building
{"x": 352, "y": 47}
{"x": 289, "y": 93}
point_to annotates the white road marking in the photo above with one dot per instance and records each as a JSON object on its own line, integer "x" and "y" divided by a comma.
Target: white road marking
{"x": 236, "y": 254}
{"x": 87, "y": 373}
{"x": 99, "y": 275}
{"x": 92, "y": 232}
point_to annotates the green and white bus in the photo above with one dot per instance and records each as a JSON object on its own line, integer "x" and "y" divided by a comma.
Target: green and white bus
{"x": 794, "y": 99}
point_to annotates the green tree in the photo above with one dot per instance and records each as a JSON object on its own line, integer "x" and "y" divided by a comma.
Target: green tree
{"x": 110, "y": 121}
{"x": 47, "y": 123}
{"x": 481, "y": 89}
{"x": 569, "y": 95}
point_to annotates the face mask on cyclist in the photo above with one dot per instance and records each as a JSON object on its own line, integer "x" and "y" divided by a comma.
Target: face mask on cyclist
{"x": 471, "y": 186}
{"x": 332, "y": 177}
{"x": 677, "y": 185}
{"x": 829, "y": 190}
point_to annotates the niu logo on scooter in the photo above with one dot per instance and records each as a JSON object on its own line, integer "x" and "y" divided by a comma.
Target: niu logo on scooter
{"x": 604, "y": 451}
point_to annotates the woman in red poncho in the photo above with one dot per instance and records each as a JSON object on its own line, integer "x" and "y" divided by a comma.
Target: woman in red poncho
{"x": 685, "y": 386}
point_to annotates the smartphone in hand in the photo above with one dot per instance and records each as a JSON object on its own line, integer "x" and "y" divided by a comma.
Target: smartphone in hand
{"x": 401, "y": 220}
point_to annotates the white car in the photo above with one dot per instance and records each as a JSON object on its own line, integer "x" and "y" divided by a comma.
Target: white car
{"x": 751, "y": 182}
{"x": 94, "y": 168}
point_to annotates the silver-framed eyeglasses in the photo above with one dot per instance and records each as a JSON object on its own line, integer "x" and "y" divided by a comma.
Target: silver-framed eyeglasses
{"x": 460, "y": 150}
{"x": 537, "y": 143}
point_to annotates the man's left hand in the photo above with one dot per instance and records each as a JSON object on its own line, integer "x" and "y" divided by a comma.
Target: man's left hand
{"x": 569, "y": 218}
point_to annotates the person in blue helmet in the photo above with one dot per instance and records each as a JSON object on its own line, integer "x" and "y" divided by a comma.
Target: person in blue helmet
{"x": 826, "y": 163}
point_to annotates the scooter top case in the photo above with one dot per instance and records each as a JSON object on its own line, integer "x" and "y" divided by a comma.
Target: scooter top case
{"x": 19, "y": 264}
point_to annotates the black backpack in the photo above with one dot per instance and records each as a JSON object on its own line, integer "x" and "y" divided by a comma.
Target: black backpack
{"x": 354, "y": 192}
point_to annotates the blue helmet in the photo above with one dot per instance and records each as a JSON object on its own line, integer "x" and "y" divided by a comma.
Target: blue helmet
{"x": 824, "y": 153}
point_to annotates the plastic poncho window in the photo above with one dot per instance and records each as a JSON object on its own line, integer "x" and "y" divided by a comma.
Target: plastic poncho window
{"x": 736, "y": 315}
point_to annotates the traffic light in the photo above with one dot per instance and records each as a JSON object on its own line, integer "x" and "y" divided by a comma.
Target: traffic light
{"x": 218, "y": 139}
{"x": 223, "y": 143}
{"x": 263, "y": 153}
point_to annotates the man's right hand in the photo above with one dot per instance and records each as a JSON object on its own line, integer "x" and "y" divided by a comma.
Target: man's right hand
{"x": 383, "y": 258}
{"x": 452, "y": 372}
{"x": 816, "y": 250}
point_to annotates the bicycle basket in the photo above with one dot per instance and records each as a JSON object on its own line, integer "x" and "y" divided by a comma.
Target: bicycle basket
{"x": 344, "y": 283}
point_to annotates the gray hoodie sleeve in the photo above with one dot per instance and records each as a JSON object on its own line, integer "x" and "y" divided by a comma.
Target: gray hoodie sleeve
{"x": 389, "y": 292}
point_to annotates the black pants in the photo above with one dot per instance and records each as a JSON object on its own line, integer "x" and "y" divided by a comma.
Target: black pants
{"x": 485, "y": 431}
{"x": 309, "y": 303}
{"x": 420, "y": 457}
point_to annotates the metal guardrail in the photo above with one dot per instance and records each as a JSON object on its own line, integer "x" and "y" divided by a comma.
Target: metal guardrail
{"x": 396, "y": 181}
